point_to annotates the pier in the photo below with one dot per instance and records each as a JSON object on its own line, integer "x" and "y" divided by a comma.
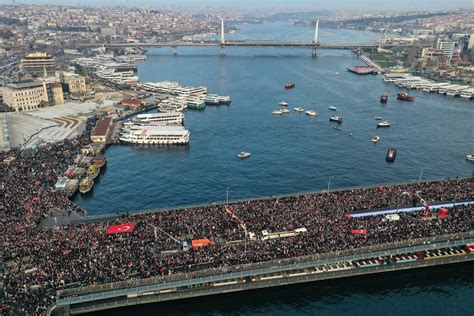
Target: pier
{"x": 409, "y": 254}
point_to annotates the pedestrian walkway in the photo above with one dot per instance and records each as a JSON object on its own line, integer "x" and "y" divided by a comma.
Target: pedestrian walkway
{"x": 4, "y": 136}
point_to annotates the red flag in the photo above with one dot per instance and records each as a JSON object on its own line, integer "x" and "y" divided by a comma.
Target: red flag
{"x": 359, "y": 232}
{"x": 123, "y": 228}
{"x": 381, "y": 187}
{"x": 442, "y": 213}
{"x": 348, "y": 215}
{"x": 36, "y": 199}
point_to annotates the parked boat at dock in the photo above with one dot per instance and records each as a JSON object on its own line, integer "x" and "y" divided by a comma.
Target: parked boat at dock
{"x": 93, "y": 171}
{"x": 99, "y": 161}
{"x": 168, "y": 118}
{"x": 157, "y": 135}
{"x": 86, "y": 185}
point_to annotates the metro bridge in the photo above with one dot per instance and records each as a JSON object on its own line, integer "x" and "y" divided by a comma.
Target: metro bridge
{"x": 222, "y": 44}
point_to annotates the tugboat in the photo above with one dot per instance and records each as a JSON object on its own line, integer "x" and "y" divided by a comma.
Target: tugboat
{"x": 289, "y": 85}
{"x": 391, "y": 155}
{"x": 86, "y": 185}
{"x": 405, "y": 97}
{"x": 384, "y": 98}
{"x": 283, "y": 104}
{"x": 99, "y": 161}
{"x": 243, "y": 155}
{"x": 336, "y": 119}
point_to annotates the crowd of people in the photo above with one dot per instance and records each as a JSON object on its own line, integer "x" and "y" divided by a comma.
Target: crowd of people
{"x": 38, "y": 260}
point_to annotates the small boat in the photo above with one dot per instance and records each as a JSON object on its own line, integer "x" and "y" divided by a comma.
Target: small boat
{"x": 86, "y": 185}
{"x": 378, "y": 118}
{"x": 350, "y": 134}
{"x": 332, "y": 108}
{"x": 384, "y": 97}
{"x": 383, "y": 124}
{"x": 375, "y": 139}
{"x": 298, "y": 109}
{"x": 277, "y": 112}
{"x": 337, "y": 73}
{"x": 243, "y": 155}
{"x": 289, "y": 85}
{"x": 391, "y": 155}
{"x": 93, "y": 172}
{"x": 99, "y": 161}
{"x": 405, "y": 97}
{"x": 283, "y": 104}
{"x": 311, "y": 113}
{"x": 470, "y": 157}
{"x": 285, "y": 111}
{"x": 336, "y": 119}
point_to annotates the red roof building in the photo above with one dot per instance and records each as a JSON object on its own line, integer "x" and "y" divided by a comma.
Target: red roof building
{"x": 131, "y": 102}
{"x": 101, "y": 130}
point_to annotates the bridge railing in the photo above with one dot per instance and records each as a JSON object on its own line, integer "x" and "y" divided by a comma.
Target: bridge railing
{"x": 267, "y": 267}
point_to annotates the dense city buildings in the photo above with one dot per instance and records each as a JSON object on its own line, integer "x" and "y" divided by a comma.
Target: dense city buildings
{"x": 38, "y": 64}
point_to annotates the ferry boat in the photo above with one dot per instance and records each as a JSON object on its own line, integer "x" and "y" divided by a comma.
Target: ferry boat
{"x": 277, "y": 112}
{"x": 86, "y": 185}
{"x": 99, "y": 161}
{"x": 332, "y": 108}
{"x": 298, "y": 109}
{"x": 212, "y": 99}
{"x": 391, "y": 155}
{"x": 289, "y": 85}
{"x": 375, "y": 139}
{"x": 378, "y": 118}
{"x": 169, "y": 118}
{"x": 93, "y": 172}
{"x": 470, "y": 157}
{"x": 243, "y": 155}
{"x": 383, "y": 124}
{"x": 336, "y": 119}
{"x": 196, "y": 104}
{"x": 311, "y": 113}
{"x": 224, "y": 99}
{"x": 157, "y": 135}
{"x": 283, "y": 104}
{"x": 384, "y": 98}
{"x": 405, "y": 97}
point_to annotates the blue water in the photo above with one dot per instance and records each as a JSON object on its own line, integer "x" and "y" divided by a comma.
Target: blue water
{"x": 290, "y": 153}
{"x": 295, "y": 153}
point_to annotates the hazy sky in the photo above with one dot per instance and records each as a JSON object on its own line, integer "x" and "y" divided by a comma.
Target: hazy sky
{"x": 293, "y": 4}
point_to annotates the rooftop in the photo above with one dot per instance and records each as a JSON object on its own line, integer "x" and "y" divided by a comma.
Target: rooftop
{"x": 22, "y": 84}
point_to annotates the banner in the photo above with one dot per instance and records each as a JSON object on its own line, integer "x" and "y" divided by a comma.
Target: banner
{"x": 123, "y": 228}
{"x": 443, "y": 213}
{"x": 359, "y": 232}
{"x": 196, "y": 243}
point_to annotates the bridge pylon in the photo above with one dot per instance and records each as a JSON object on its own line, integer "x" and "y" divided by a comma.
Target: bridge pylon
{"x": 222, "y": 41}
{"x": 314, "y": 52}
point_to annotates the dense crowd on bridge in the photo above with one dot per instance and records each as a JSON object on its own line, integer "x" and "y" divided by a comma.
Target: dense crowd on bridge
{"x": 40, "y": 260}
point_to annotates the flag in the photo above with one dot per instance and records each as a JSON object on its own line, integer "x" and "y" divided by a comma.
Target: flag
{"x": 381, "y": 187}
{"x": 348, "y": 215}
{"x": 197, "y": 243}
{"x": 123, "y": 228}
{"x": 427, "y": 211}
{"x": 359, "y": 232}
{"x": 36, "y": 199}
{"x": 442, "y": 213}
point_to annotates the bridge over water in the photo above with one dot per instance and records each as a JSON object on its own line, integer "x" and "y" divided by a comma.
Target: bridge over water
{"x": 314, "y": 45}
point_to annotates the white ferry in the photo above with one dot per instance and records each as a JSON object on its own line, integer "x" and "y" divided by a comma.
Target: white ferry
{"x": 383, "y": 124}
{"x": 169, "y": 118}
{"x": 157, "y": 135}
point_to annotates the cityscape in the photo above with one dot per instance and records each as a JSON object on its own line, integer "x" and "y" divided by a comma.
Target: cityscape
{"x": 237, "y": 158}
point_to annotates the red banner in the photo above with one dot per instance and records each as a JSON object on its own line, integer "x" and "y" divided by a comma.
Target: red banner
{"x": 359, "y": 232}
{"x": 36, "y": 199}
{"x": 196, "y": 243}
{"x": 123, "y": 228}
{"x": 443, "y": 213}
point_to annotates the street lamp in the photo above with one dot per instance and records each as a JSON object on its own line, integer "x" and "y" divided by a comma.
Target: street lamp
{"x": 227, "y": 196}
{"x": 421, "y": 174}
{"x": 329, "y": 183}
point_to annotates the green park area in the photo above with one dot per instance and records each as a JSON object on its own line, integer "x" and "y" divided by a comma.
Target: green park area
{"x": 383, "y": 61}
